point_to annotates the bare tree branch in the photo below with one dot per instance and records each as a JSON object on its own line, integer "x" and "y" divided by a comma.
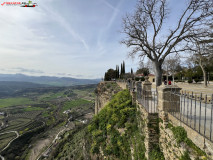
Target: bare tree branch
{"x": 143, "y": 29}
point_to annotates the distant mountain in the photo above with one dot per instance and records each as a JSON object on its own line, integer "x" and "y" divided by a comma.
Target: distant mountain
{"x": 47, "y": 80}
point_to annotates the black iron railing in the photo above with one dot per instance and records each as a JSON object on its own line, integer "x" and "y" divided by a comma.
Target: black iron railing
{"x": 194, "y": 110}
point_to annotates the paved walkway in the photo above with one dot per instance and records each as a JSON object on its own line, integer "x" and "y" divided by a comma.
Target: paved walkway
{"x": 198, "y": 88}
{"x": 195, "y": 88}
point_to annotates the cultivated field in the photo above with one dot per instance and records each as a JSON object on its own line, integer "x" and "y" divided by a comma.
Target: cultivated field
{"x": 36, "y": 115}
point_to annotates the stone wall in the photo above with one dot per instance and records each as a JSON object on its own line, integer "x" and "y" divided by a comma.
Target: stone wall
{"x": 104, "y": 92}
{"x": 168, "y": 144}
{"x": 150, "y": 129}
{"x": 122, "y": 84}
{"x": 100, "y": 101}
{"x": 174, "y": 150}
{"x": 200, "y": 141}
{"x": 193, "y": 143}
{"x": 156, "y": 126}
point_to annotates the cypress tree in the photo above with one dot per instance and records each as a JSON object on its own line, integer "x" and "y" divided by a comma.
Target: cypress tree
{"x": 131, "y": 71}
{"x": 123, "y": 67}
{"x": 118, "y": 71}
{"x": 105, "y": 76}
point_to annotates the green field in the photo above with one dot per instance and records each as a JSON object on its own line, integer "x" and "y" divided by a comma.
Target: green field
{"x": 50, "y": 96}
{"x": 75, "y": 103}
{"x": 29, "y": 108}
{"x": 15, "y": 101}
{"x": 85, "y": 92}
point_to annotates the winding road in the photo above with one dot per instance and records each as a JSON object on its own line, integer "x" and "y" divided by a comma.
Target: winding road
{"x": 17, "y": 135}
{"x": 56, "y": 137}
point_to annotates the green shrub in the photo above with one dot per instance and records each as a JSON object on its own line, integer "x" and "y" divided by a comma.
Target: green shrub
{"x": 156, "y": 154}
{"x": 190, "y": 81}
{"x": 180, "y": 134}
{"x": 196, "y": 80}
{"x": 185, "y": 156}
{"x": 139, "y": 78}
{"x": 119, "y": 113}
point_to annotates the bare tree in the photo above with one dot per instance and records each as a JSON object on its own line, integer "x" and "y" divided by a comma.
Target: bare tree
{"x": 170, "y": 65}
{"x": 201, "y": 51}
{"x": 144, "y": 30}
{"x": 148, "y": 64}
{"x": 202, "y": 54}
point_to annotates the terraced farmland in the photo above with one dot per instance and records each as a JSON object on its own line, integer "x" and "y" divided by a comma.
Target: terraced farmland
{"x": 36, "y": 115}
{"x": 16, "y": 124}
{"x": 6, "y": 138}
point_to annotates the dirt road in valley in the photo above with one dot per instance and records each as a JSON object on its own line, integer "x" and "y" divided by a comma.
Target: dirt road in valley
{"x": 17, "y": 135}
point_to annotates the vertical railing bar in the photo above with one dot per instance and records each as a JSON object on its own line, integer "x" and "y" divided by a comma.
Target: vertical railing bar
{"x": 195, "y": 121}
{"x": 191, "y": 111}
{"x": 177, "y": 105}
{"x": 184, "y": 106}
{"x": 187, "y": 108}
{"x": 181, "y": 98}
{"x": 211, "y": 118}
{"x": 147, "y": 98}
{"x": 205, "y": 117}
{"x": 144, "y": 99}
{"x": 200, "y": 112}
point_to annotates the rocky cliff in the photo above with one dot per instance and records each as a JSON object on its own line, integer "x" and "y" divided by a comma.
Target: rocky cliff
{"x": 104, "y": 93}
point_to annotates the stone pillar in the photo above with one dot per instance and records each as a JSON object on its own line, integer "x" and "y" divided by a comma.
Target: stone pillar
{"x": 127, "y": 86}
{"x": 138, "y": 83}
{"x": 133, "y": 86}
{"x": 168, "y": 101}
{"x": 133, "y": 97}
{"x": 147, "y": 86}
{"x": 138, "y": 89}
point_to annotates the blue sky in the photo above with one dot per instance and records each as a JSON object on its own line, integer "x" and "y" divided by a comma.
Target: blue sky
{"x": 72, "y": 38}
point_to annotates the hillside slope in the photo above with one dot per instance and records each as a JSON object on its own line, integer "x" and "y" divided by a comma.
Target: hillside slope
{"x": 115, "y": 130}
{"x": 114, "y": 133}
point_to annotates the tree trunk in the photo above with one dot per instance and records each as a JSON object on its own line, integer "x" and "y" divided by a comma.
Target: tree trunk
{"x": 158, "y": 73}
{"x": 204, "y": 76}
{"x": 173, "y": 78}
{"x": 167, "y": 76}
